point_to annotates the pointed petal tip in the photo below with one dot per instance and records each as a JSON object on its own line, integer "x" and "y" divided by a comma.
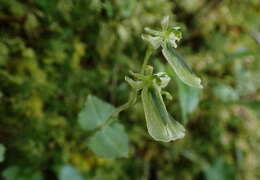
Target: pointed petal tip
{"x": 147, "y": 29}
{"x": 165, "y": 22}
{"x": 181, "y": 135}
{"x": 198, "y": 84}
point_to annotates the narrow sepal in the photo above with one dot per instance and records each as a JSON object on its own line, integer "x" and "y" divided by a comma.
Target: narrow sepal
{"x": 180, "y": 67}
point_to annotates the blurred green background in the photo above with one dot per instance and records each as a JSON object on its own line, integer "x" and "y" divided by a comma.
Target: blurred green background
{"x": 53, "y": 53}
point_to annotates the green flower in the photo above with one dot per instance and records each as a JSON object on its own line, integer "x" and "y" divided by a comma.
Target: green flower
{"x": 166, "y": 35}
{"x": 167, "y": 38}
{"x": 161, "y": 126}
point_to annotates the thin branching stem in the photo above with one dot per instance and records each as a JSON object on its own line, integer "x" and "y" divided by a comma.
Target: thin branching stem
{"x": 148, "y": 53}
{"x": 132, "y": 97}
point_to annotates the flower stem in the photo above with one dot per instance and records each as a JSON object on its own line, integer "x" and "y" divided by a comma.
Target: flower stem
{"x": 112, "y": 117}
{"x": 148, "y": 53}
{"x": 131, "y": 100}
{"x": 133, "y": 94}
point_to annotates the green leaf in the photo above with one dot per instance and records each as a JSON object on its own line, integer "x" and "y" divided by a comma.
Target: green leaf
{"x": 180, "y": 67}
{"x": 68, "y": 172}
{"x": 161, "y": 126}
{"x": 18, "y": 173}
{"x": 225, "y": 93}
{"x": 2, "y": 153}
{"x": 95, "y": 113}
{"x": 189, "y": 99}
{"x": 255, "y": 105}
{"x": 49, "y": 6}
{"x": 110, "y": 142}
{"x": 219, "y": 170}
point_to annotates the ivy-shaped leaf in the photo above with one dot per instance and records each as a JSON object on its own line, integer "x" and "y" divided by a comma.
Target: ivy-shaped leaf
{"x": 110, "y": 142}
{"x": 95, "y": 113}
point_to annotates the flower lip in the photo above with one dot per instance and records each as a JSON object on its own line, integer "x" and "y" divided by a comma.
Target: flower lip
{"x": 162, "y": 79}
{"x": 158, "y": 38}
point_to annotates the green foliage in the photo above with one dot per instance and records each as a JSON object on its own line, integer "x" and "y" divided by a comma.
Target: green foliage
{"x": 53, "y": 54}
{"x": 189, "y": 99}
{"x": 219, "y": 170}
{"x": 106, "y": 140}
{"x": 95, "y": 113}
{"x": 225, "y": 93}
{"x": 180, "y": 67}
{"x": 159, "y": 123}
{"x": 109, "y": 142}
{"x": 68, "y": 172}
{"x": 2, "y": 153}
{"x": 17, "y": 173}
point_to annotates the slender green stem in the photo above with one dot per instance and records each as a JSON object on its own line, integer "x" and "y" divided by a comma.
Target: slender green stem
{"x": 131, "y": 100}
{"x": 133, "y": 95}
{"x": 112, "y": 118}
{"x": 148, "y": 53}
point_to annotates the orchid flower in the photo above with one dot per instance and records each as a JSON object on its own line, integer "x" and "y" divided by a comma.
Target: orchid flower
{"x": 167, "y": 39}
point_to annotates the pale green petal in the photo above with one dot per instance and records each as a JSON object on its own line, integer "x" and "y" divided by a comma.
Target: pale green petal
{"x": 159, "y": 123}
{"x": 137, "y": 85}
{"x": 155, "y": 41}
{"x": 152, "y": 32}
{"x": 180, "y": 67}
{"x": 165, "y": 22}
{"x": 167, "y": 95}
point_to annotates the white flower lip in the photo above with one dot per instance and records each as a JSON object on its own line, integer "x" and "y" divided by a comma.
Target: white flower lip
{"x": 166, "y": 34}
{"x": 164, "y": 79}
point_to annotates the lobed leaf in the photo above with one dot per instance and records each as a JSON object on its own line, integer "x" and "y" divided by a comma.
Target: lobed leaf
{"x": 95, "y": 113}
{"x": 110, "y": 142}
